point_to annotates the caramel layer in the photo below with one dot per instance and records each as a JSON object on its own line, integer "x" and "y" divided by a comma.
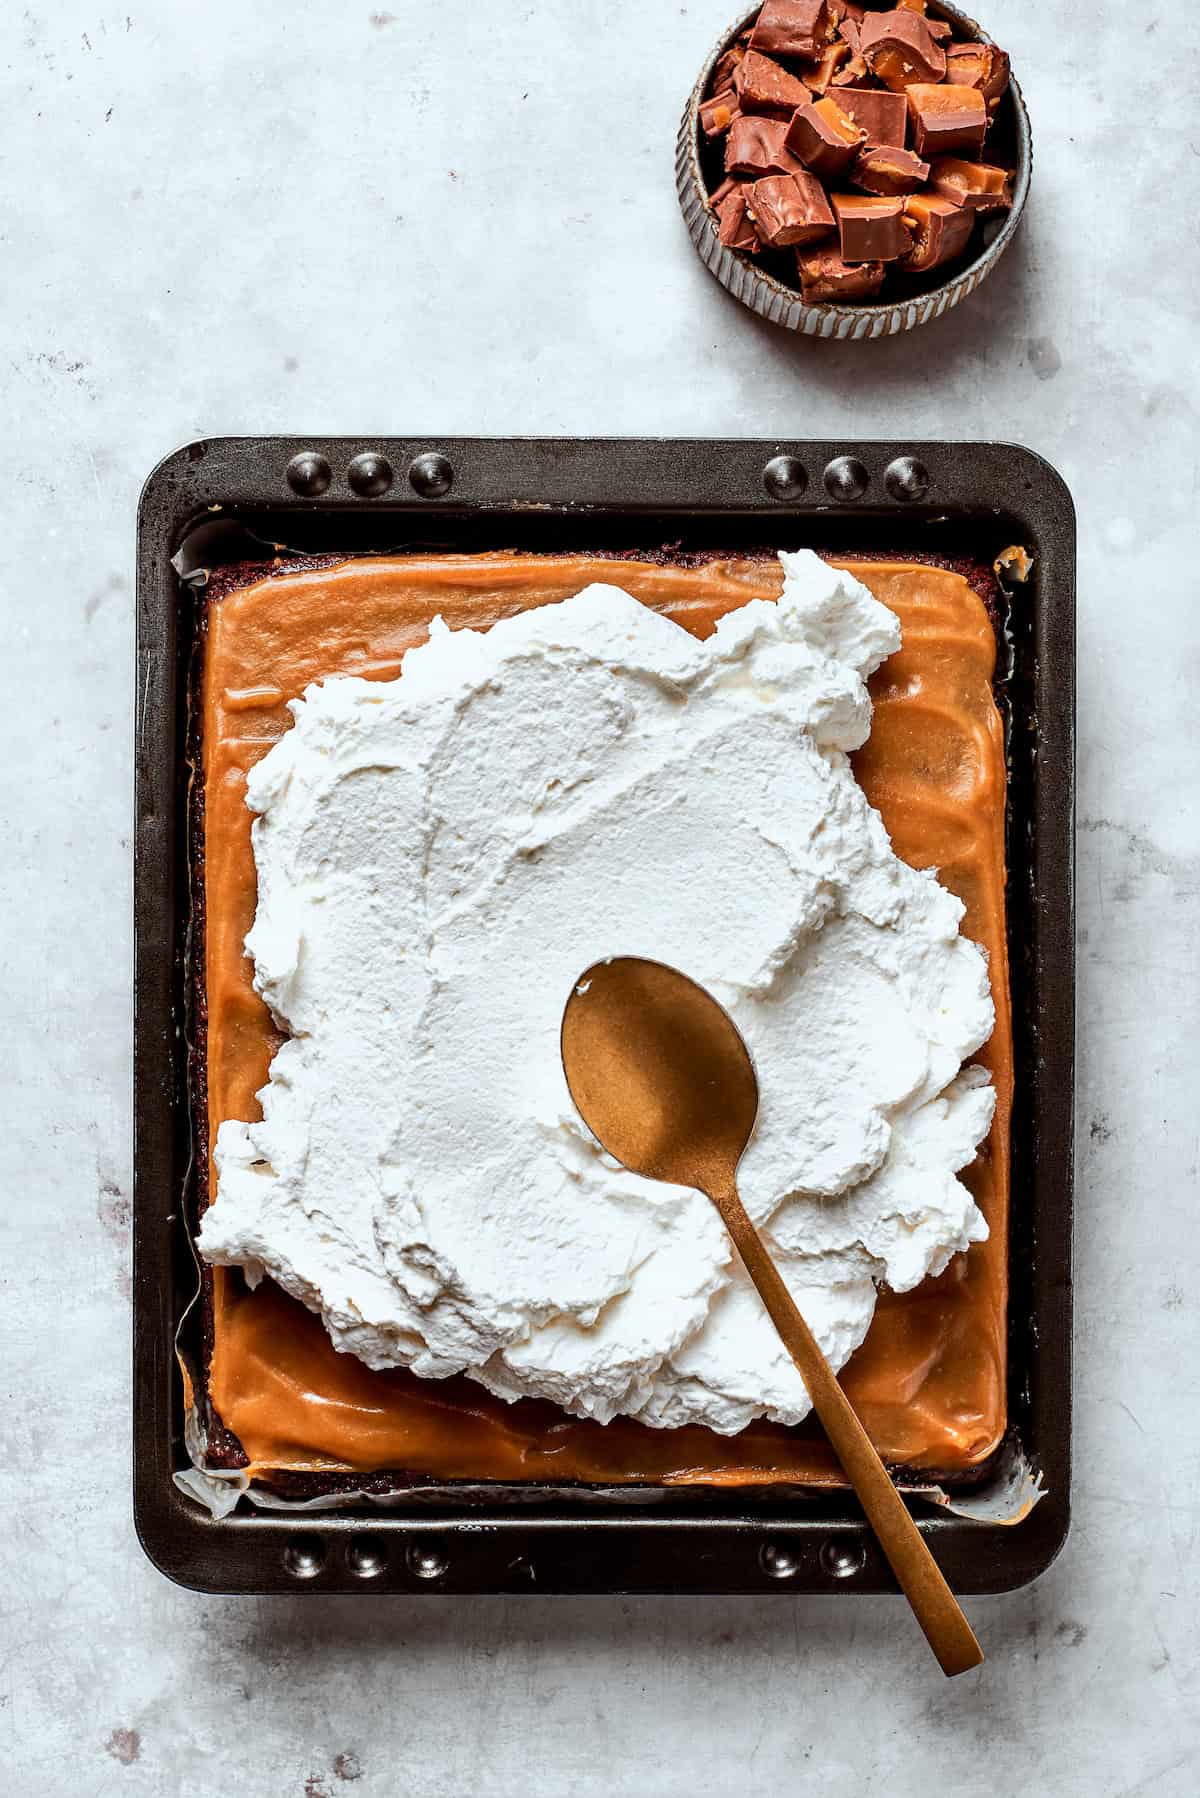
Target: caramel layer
{"x": 928, "y": 1381}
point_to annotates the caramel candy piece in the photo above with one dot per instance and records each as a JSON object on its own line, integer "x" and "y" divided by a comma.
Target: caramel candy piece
{"x": 885, "y": 170}
{"x": 789, "y": 209}
{"x": 818, "y": 78}
{"x": 824, "y": 276}
{"x": 757, "y": 147}
{"x": 824, "y": 137}
{"x": 946, "y": 118}
{"x": 717, "y": 114}
{"x": 979, "y": 186}
{"x": 736, "y": 229}
{"x": 899, "y": 48}
{"x": 871, "y": 230}
{"x": 762, "y": 86}
{"x": 792, "y": 28}
{"x": 978, "y": 65}
{"x": 883, "y": 116}
{"x": 941, "y": 230}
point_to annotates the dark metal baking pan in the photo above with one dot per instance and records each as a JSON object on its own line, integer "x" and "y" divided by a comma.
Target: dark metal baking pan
{"x": 347, "y": 496}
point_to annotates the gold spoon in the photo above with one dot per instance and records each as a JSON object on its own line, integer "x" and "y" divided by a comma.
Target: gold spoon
{"x": 665, "y": 1083}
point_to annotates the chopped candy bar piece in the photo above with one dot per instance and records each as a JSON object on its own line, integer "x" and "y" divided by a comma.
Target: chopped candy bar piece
{"x": 884, "y": 170}
{"x": 946, "y": 118}
{"x": 899, "y": 48}
{"x": 979, "y": 186}
{"x": 736, "y": 228}
{"x": 978, "y": 65}
{"x": 717, "y": 114}
{"x": 762, "y": 86}
{"x": 824, "y": 275}
{"x": 871, "y": 230}
{"x": 941, "y": 230}
{"x": 792, "y": 28}
{"x": 789, "y": 209}
{"x": 824, "y": 137}
{"x": 883, "y": 116}
{"x": 758, "y": 147}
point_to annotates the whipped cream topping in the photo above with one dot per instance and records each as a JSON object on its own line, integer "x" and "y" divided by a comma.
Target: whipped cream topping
{"x": 440, "y": 856}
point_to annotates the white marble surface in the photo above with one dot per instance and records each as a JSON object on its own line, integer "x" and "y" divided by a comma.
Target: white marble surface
{"x": 253, "y": 217}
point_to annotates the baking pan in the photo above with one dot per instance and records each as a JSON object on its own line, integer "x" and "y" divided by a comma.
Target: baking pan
{"x": 347, "y": 496}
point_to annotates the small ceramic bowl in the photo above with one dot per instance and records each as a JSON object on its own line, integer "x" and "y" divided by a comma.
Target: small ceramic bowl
{"x": 698, "y": 168}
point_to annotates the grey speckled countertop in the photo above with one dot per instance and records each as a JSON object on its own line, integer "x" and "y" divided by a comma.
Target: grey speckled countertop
{"x": 240, "y": 217}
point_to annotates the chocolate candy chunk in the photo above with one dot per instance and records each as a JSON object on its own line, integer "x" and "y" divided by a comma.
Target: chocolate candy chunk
{"x": 824, "y": 137}
{"x": 727, "y": 187}
{"x": 792, "y": 28}
{"x": 789, "y": 209}
{"x": 725, "y": 68}
{"x": 819, "y": 76}
{"x": 736, "y": 227}
{"x": 824, "y": 275}
{"x": 883, "y": 116}
{"x": 762, "y": 86}
{"x": 941, "y": 231}
{"x": 884, "y": 170}
{"x": 946, "y": 118}
{"x": 717, "y": 114}
{"x": 757, "y": 147}
{"x": 978, "y": 65}
{"x": 979, "y": 186}
{"x": 871, "y": 230}
{"x": 899, "y": 48}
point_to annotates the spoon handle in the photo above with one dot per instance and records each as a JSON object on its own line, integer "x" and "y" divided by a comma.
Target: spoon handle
{"x": 921, "y": 1580}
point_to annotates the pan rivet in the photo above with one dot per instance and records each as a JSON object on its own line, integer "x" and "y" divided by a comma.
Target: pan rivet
{"x": 841, "y": 1560}
{"x": 846, "y": 478}
{"x": 370, "y": 475}
{"x": 308, "y": 474}
{"x": 778, "y": 1561}
{"x": 906, "y": 478}
{"x": 426, "y": 1561}
{"x": 785, "y": 478}
{"x": 304, "y": 1557}
{"x": 431, "y": 475}
{"x": 365, "y": 1559}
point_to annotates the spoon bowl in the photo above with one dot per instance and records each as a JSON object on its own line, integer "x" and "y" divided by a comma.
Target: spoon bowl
{"x": 659, "y": 1072}
{"x": 662, "y": 1078}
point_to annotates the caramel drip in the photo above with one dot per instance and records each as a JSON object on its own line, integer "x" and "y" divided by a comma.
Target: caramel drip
{"x": 929, "y": 1379}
